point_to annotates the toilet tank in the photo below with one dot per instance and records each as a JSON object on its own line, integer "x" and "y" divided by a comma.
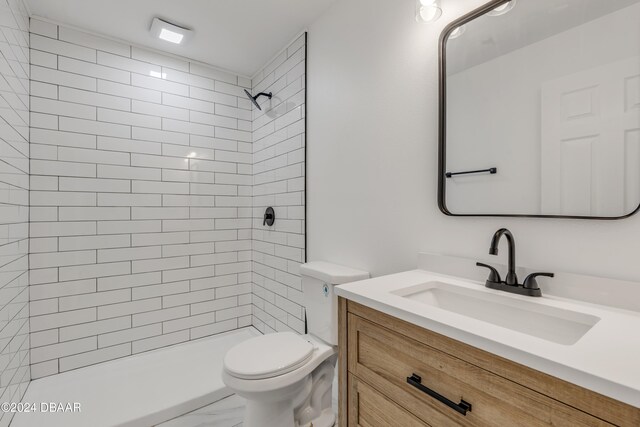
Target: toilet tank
{"x": 319, "y": 298}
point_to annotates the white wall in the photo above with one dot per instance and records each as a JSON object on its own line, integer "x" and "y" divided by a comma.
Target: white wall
{"x": 140, "y": 200}
{"x": 278, "y": 181}
{"x": 14, "y": 203}
{"x": 372, "y": 156}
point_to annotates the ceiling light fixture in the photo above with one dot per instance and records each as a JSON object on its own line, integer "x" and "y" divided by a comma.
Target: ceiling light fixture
{"x": 170, "y": 36}
{"x": 503, "y": 8}
{"x": 169, "y": 32}
{"x": 428, "y": 10}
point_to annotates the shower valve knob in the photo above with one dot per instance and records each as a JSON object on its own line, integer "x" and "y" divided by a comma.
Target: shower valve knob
{"x": 269, "y": 217}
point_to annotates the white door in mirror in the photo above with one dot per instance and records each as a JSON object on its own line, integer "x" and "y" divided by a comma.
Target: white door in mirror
{"x": 590, "y": 160}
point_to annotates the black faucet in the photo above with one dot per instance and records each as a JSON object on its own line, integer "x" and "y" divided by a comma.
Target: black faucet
{"x": 512, "y": 277}
{"x": 510, "y": 284}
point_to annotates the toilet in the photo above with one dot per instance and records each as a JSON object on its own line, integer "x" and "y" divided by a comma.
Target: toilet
{"x": 287, "y": 378}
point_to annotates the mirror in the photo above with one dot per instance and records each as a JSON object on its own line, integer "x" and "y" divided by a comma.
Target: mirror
{"x": 540, "y": 110}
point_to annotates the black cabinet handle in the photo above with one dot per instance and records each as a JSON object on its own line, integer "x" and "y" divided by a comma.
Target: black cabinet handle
{"x": 462, "y": 407}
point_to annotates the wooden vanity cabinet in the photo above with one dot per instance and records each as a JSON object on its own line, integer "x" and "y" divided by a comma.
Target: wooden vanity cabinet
{"x": 395, "y": 374}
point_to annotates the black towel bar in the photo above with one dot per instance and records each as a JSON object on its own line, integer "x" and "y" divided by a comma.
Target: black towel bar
{"x": 490, "y": 170}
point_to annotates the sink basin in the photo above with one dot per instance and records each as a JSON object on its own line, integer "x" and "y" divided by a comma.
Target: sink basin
{"x": 553, "y": 324}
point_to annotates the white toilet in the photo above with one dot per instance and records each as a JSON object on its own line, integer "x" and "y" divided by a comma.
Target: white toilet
{"x": 286, "y": 378}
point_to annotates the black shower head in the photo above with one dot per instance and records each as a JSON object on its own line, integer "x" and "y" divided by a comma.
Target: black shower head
{"x": 254, "y": 98}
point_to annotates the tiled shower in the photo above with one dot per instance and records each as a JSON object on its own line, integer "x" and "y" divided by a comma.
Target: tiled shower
{"x": 137, "y": 194}
{"x": 149, "y": 176}
{"x": 279, "y": 181}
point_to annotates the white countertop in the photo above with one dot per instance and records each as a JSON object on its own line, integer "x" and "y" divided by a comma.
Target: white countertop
{"x": 606, "y": 359}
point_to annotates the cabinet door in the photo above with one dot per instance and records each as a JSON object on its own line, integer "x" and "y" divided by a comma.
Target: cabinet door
{"x": 388, "y": 361}
{"x": 368, "y": 408}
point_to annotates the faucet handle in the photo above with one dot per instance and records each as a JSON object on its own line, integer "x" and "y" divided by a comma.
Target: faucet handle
{"x": 494, "y": 276}
{"x": 531, "y": 283}
{"x": 269, "y": 217}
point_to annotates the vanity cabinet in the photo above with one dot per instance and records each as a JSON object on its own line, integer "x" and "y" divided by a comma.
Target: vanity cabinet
{"x": 394, "y": 374}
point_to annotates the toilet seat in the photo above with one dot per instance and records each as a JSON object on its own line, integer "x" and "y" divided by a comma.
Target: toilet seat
{"x": 268, "y": 356}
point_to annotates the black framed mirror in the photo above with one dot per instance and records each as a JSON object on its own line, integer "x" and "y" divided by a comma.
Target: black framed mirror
{"x": 540, "y": 110}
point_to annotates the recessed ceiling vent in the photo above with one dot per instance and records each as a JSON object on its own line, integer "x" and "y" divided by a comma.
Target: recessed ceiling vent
{"x": 169, "y": 32}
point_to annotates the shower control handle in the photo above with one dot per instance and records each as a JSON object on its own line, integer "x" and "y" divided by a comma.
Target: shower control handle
{"x": 269, "y": 217}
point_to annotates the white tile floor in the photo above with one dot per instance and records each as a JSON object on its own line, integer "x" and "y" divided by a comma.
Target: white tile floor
{"x": 227, "y": 412}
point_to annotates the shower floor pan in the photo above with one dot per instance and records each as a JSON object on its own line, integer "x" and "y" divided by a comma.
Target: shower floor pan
{"x": 136, "y": 391}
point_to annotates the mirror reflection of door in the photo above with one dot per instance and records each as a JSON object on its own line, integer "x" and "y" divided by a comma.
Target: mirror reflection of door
{"x": 591, "y": 141}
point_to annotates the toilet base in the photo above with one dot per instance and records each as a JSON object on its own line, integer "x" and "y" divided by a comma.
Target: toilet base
{"x": 326, "y": 419}
{"x": 305, "y": 403}
{"x": 315, "y": 409}
{"x": 281, "y": 415}
{"x": 285, "y": 408}
{"x": 271, "y": 414}
{"x": 277, "y": 408}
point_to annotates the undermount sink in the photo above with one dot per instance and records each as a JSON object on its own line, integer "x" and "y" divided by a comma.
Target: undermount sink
{"x": 553, "y": 324}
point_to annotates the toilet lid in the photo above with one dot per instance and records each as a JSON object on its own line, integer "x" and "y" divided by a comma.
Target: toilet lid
{"x": 267, "y": 356}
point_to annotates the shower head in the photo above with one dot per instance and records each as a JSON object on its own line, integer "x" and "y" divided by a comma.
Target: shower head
{"x": 254, "y": 98}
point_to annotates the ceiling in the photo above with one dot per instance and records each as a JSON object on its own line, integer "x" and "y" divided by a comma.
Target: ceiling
{"x": 237, "y": 35}
{"x": 530, "y": 21}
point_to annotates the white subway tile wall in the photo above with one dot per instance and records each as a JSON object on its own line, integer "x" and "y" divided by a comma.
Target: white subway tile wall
{"x": 14, "y": 203}
{"x": 279, "y": 181}
{"x": 141, "y": 186}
